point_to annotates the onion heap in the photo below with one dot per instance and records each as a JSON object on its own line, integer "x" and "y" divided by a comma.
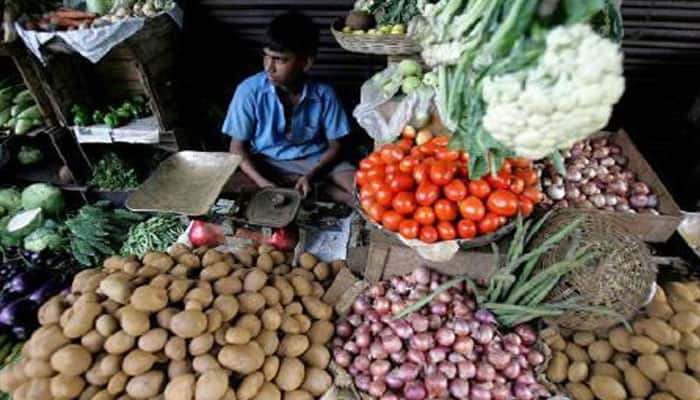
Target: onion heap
{"x": 447, "y": 349}
{"x": 596, "y": 177}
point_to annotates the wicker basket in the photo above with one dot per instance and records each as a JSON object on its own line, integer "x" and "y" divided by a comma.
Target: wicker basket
{"x": 389, "y": 45}
{"x": 620, "y": 276}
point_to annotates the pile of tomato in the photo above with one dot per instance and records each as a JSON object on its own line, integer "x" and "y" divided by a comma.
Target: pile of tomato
{"x": 420, "y": 188}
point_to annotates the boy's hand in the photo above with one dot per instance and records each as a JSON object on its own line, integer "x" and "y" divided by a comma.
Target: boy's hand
{"x": 303, "y": 186}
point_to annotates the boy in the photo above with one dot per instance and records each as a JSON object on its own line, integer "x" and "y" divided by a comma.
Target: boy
{"x": 283, "y": 123}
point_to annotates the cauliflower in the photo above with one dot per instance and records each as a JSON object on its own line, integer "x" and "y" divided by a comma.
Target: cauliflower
{"x": 565, "y": 98}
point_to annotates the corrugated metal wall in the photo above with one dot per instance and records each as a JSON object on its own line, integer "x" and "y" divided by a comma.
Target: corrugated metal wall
{"x": 662, "y": 61}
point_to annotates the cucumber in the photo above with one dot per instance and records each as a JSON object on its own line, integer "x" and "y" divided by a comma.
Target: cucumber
{"x": 23, "y": 97}
{"x": 17, "y": 109}
{"x": 5, "y": 116}
{"x": 30, "y": 113}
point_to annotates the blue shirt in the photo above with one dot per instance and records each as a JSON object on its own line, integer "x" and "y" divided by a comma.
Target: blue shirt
{"x": 256, "y": 114}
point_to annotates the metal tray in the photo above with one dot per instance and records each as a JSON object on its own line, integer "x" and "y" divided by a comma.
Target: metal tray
{"x": 273, "y": 207}
{"x": 188, "y": 182}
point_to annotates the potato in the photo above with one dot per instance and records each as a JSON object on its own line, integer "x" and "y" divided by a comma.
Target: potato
{"x": 117, "y": 383}
{"x": 178, "y": 288}
{"x": 318, "y": 356}
{"x": 138, "y": 362}
{"x": 322, "y": 271}
{"x": 579, "y": 391}
{"x": 653, "y": 367}
{"x": 607, "y": 388}
{"x": 146, "y": 272}
{"x": 685, "y": 321}
{"x": 321, "y": 332}
{"x": 215, "y": 271}
{"x": 606, "y": 369}
{"x": 180, "y": 271}
{"x": 228, "y": 306}
{"x": 178, "y": 249}
{"x": 82, "y": 319}
{"x": 11, "y": 377}
{"x": 201, "y": 344}
{"x": 584, "y": 339}
{"x": 689, "y": 341}
{"x": 643, "y": 345}
{"x": 214, "y": 320}
{"x": 290, "y": 375}
{"x": 683, "y": 386}
{"x": 71, "y": 360}
{"x": 290, "y": 325}
{"x": 176, "y": 348}
{"x": 251, "y": 323}
{"x": 270, "y": 367}
{"x": 298, "y": 395}
{"x": 237, "y": 335}
{"x": 161, "y": 281}
{"x": 212, "y": 257}
{"x": 250, "y": 386}
{"x": 662, "y": 396}
{"x": 189, "y": 260}
{"x": 307, "y": 261}
{"x": 242, "y": 358}
{"x": 37, "y": 369}
{"x": 293, "y": 346}
{"x": 678, "y": 289}
{"x": 675, "y": 360}
{"x": 317, "y": 290}
{"x": 317, "y": 308}
{"x": 180, "y": 387}
{"x": 282, "y": 269}
{"x": 577, "y": 353}
{"x": 211, "y": 385}
{"x": 693, "y": 360}
{"x": 251, "y": 303}
{"x": 89, "y": 392}
{"x": 265, "y": 263}
{"x": 304, "y": 322}
{"x": 337, "y": 265}
{"x": 637, "y": 384}
{"x": 204, "y": 363}
{"x": 116, "y": 288}
{"x": 600, "y": 351}
{"x": 113, "y": 263}
{"x": 620, "y": 340}
{"x": 268, "y": 341}
{"x": 154, "y": 340}
{"x": 285, "y": 288}
{"x": 268, "y": 391}
{"x": 145, "y": 386}
{"x": 93, "y": 341}
{"x": 657, "y": 330}
{"x": 109, "y": 365}
{"x": 110, "y": 307}
{"x": 134, "y": 322}
{"x": 271, "y": 295}
{"x": 271, "y": 319}
{"x": 659, "y": 310}
{"x": 294, "y": 308}
{"x": 203, "y": 296}
{"x": 188, "y": 324}
{"x": 316, "y": 381}
{"x": 39, "y": 388}
{"x": 228, "y": 285}
{"x": 220, "y": 335}
{"x": 578, "y": 371}
{"x": 87, "y": 280}
{"x": 94, "y": 377}
{"x": 161, "y": 261}
{"x": 50, "y": 312}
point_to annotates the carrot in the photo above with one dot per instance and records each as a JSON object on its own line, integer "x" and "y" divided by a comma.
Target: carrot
{"x": 73, "y": 14}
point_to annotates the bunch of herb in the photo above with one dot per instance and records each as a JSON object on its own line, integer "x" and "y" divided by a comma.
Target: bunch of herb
{"x": 113, "y": 173}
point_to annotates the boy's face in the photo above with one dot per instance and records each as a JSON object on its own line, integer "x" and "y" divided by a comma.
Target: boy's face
{"x": 285, "y": 68}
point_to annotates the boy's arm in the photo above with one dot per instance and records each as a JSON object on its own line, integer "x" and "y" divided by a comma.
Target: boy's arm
{"x": 328, "y": 157}
{"x": 247, "y": 166}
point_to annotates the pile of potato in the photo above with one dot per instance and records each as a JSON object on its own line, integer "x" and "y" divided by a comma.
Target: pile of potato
{"x": 658, "y": 360}
{"x": 196, "y": 324}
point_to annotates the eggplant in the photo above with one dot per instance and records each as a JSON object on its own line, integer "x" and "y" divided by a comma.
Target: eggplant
{"x": 54, "y": 286}
{"x": 22, "y": 333}
{"x": 21, "y": 312}
{"x": 27, "y": 281}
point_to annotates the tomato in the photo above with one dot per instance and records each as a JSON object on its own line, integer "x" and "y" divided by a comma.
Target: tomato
{"x": 361, "y": 177}
{"x": 391, "y": 169}
{"x": 517, "y": 185}
{"x": 445, "y": 210}
{"x": 366, "y": 163}
{"x": 424, "y": 215}
{"x": 408, "y": 132}
{"x": 462, "y": 172}
{"x": 447, "y": 155}
{"x": 405, "y": 145}
{"x": 391, "y": 154}
{"x": 465, "y": 157}
{"x": 525, "y": 206}
{"x": 421, "y": 172}
{"x": 466, "y": 229}
{"x": 479, "y": 188}
{"x": 384, "y": 196}
{"x": 376, "y": 184}
{"x": 375, "y": 212}
{"x": 401, "y": 183}
{"x": 389, "y": 177}
{"x": 404, "y": 203}
{"x": 455, "y": 190}
{"x": 472, "y": 208}
{"x": 408, "y": 164}
{"x": 376, "y": 172}
{"x": 507, "y": 167}
{"x": 520, "y": 162}
{"x": 533, "y": 193}
{"x": 416, "y": 152}
{"x": 502, "y": 202}
{"x": 499, "y": 181}
{"x": 440, "y": 141}
{"x": 391, "y": 220}
{"x": 428, "y": 234}
{"x": 409, "y": 228}
{"x": 427, "y": 193}
{"x": 427, "y": 149}
{"x": 366, "y": 193}
{"x": 446, "y": 230}
{"x": 366, "y": 203}
{"x": 441, "y": 173}
{"x": 489, "y": 223}
{"x": 529, "y": 176}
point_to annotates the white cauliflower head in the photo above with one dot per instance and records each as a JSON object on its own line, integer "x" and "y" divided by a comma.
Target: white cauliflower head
{"x": 565, "y": 98}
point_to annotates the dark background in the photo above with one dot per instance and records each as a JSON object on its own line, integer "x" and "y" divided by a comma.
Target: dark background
{"x": 662, "y": 59}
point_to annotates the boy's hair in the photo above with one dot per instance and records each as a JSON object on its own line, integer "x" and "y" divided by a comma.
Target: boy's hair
{"x": 293, "y": 32}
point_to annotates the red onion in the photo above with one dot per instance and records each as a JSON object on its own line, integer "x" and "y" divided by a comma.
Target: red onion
{"x": 376, "y": 351}
{"x": 466, "y": 370}
{"x": 342, "y": 357}
{"x": 523, "y": 392}
{"x": 512, "y": 371}
{"x": 382, "y": 305}
{"x": 392, "y": 296}
{"x": 607, "y": 161}
{"x": 499, "y": 359}
{"x": 392, "y": 344}
{"x": 434, "y": 322}
{"x": 444, "y": 297}
{"x": 463, "y": 345}
{"x": 393, "y": 380}
{"x": 556, "y": 192}
{"x": 573, "y": 174}
{"x": 619, "y": 159}
{"x": 623, "y": 207}
{"x": 522, "y": 361}
{"x": 640, "y": 188}
{"x": 398, "y": 357}
{"x": 362, "y": 382}
{"x": 361, "y": 305}
{"x": 459, "y": 388}
{"x": 379, "y": 368}
{"x": 354, "y": 371}
{"x": 485, "y": 334}
{"x": 588, "y": 189}
{"x": 402, "y": 328}
{"x": 436, "y": 385}
{"x": 460, "y": 309}
{"x": 355, "y": 320}
{"x": 583, "y": 204}
{"x": 419, "y": 322}
{"x": 438, "y": 309}
{"x": 500, "y": 380}
{"x": 337, "y": 342}
{"x": 526, "y": 378}
{"x": 343, "y": 329}
{"x": 601, "y": 152}
{"x": 652, "y": 201}
{"x": 408, "y": 371}
{"x": 500, "y": 392}
{"x": 639, "y": 201}
{"x": 416, "y": 356}
{"x": 437, "y": 354}
{"x": 422, "y": 342}
{"x": 448, "y": 369}
{"x": 474, "y": 326}
{"x": 386, "y": 332}
{"x": 361, "y": 362}
{"x": 535, "y": 358}
{"x": 397, "y": 307}
{"x": 421, "y": 275}
{"x": 414, "y": 391}
{"x": 598, "y": 200}
{"x": 351, "y": 347}
{"x": 455, "y": 358}
{"x": 362, "y": 340}
{"x": 372, "y": 316}
{"x": 377, "y": 290}
{"x": 389, "y": 396}
{"x": 485, "y": 372}
{"x": 418, "y": 293}
{"x": 402, "y": 287}
{"x": 445, "y": 337}
{"x": 479, "y": 393}
{"x": 485, "y": 317}
{"x": 527, "y": 334}
{"x": 461, "y": 328}
{"x": 611, "y": 199}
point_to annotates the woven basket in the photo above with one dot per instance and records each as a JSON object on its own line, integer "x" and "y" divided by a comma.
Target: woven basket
{"x": 389, "y": 45}
{"x": 620, "y": 276}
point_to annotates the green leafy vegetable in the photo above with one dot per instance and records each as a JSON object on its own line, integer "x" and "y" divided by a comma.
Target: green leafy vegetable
{"x": 112, "y": 173}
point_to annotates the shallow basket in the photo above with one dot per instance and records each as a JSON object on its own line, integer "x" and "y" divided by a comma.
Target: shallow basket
{"x": 388, "y": 45}
{"x": 620, "y": 276}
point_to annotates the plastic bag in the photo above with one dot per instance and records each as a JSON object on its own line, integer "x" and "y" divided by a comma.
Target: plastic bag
{"x": 411, "y": 109}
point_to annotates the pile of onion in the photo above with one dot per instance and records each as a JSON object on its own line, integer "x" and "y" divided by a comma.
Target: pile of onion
{"x": 447, "y": 349}
{"x": 596, "y": 177}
